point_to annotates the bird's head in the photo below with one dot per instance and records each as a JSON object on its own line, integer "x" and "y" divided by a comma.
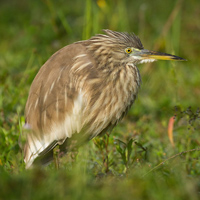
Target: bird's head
{"x": 119, "y": 47}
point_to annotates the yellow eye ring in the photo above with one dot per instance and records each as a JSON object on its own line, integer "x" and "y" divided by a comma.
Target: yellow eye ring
{"x": 128, "y": 50}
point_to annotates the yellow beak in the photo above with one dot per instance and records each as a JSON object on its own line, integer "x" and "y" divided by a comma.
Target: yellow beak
{"x": 146, "y": 54}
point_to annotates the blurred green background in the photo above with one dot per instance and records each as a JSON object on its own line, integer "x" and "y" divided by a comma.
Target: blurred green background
{"x": 124, "y": 165}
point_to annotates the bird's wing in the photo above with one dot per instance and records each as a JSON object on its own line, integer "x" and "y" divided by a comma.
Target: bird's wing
{"x": 54, "y": 109}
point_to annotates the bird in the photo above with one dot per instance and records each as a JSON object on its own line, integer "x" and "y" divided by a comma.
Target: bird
{"x": 83, "y": 91}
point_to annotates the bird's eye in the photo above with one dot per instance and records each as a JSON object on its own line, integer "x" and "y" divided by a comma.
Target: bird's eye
{"x": 128, "y": 50}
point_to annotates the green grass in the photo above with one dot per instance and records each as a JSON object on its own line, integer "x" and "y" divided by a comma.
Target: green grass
{"x": 136, "y": 161}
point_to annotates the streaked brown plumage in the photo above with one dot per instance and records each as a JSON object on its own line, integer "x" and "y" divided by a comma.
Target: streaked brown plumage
{"x": 82, "y": 91}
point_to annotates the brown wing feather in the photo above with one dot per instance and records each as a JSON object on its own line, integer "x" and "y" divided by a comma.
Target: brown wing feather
{"x": 51, "y": 98}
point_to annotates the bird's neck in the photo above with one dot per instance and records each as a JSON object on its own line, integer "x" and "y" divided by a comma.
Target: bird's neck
{"x": 116, "y": 93}
{"x": 127, "y": 75}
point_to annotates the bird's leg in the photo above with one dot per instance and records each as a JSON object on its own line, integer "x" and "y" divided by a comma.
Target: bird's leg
{"x": 102, "y": 143}
{"x": 74, "y": 150}
{"x": 74, "y": 154}
{"x": 106, "y": 161}
{"x": 56, "y": 152}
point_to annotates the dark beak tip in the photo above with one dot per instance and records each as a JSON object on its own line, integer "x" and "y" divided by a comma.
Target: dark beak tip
{"x": 176, "y": 58}
{"x": 181, "y": 59}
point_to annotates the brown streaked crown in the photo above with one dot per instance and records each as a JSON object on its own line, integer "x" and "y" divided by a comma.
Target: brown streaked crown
{"x": 118, "y": 38}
